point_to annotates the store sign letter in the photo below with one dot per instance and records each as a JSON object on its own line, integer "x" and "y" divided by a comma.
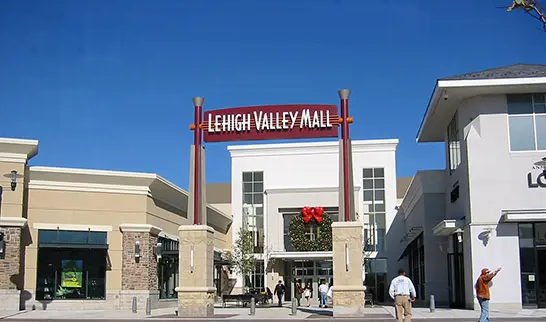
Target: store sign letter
{"x": 540, "y": 181}
{"x": 270, "y": 122}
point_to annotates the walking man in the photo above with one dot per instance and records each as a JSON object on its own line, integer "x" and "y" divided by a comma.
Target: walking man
{"x": 279, "y": 291}
{"x": 482, "y": 292}
{"x": 403, "y": 293}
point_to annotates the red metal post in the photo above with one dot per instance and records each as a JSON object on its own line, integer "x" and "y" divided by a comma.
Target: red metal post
{"x": 197, "y": 141}
{"x": 344, "y": 96}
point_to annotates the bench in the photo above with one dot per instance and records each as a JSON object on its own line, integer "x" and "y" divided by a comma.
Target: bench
{"x": 242, "y": 298}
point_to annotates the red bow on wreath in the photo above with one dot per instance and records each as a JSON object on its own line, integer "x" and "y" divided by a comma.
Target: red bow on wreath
{"x": 312, "y": 212}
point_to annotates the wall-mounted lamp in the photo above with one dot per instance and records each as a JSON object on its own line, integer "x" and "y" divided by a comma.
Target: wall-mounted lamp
{"x": 191, "y": 260}
{"x": 137, "y": 249}
{"x": 485, "y": 235}
{"x": 2, "y": 246}
{"x": 13, "y": 180}
{"x": 346, "y": 258}
{"x": 158, "y": 252}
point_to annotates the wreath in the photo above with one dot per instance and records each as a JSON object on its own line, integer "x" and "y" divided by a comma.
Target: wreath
{"x": 311, "y": 216}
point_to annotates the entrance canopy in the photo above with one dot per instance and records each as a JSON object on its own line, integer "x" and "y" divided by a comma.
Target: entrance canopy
{"x": 301, "y": 255}
{"x": 514, "y": 216}
{"x": 448, "y": 227}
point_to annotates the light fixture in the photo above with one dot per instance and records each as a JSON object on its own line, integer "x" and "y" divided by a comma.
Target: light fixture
{"x": 157, "y": 251}
{"x": 2, "y": 246}
{"x": 13, "y": 180}
{"x": 137, "y": 249}
{"x": 191, "y": 259}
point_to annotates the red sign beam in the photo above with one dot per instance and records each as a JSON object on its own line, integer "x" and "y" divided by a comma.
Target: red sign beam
{"x": 271, "y": 122}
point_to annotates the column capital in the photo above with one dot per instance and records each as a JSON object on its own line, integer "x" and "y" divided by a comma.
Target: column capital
{"x": 140, "y": 228}
{"x": 13, "y": 222}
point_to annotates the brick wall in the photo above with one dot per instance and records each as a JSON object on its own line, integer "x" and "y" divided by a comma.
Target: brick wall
{"x": 10, "y": 265}
{"x": 141, "y": 273}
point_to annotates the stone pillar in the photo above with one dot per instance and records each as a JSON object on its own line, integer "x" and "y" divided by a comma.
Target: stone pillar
{"x": 12, "y": 266}
{"x": 139, "y": 273}
{"x": 196, "y": 292}
{"x": 348, "y": 289}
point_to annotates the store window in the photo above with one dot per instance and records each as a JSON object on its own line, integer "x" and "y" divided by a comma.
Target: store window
{"x": 416, "y": 254}
{"x": 71, "y": 265}
{"x": 374, "y": 208}
{"x": 376, "y": 278}
{"x": 527, "y": 122}
{"x": 253, "y": 207}
{"x": 167, "y": 268}
{"x": 453, "y": 144}
{"x": 256, "y": 278}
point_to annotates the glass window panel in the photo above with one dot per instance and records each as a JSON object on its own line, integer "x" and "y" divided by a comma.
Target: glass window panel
{"x": 380, "y": 239}
{"x": 522, "y": 134}
{"x": 520, "y": 104}
{"x": 540, "y": 233}
{"x": 48, "y": 236}
{"x": 539, "y": 98}
{"x": 378, "y": 172}
{"x": 247, "y": 198}
{"x": 73, "y": 237}
{"x": 379, "y": 207}
{"x": 368, "y": 195}
{"x": 247, "y": 176}
{"x": 97, "y": 238}
{"x": 247, "y": 187}
{"x": 540, "y": 122}
{"x": 525, "y": 231}
{"x": 368, "y": 184}
{"x": 367, "y": 173}
{"x": 259, "y": 211}
{"x": 258, "y": 198}
{"x": 259, "y": 187}
{"x": 371, "y": 207}
{"x": 380, "y": 195}
{"x": 527, "y": 260}
{"x": 540, "y": 108}
{"x": 258, "y": 176}
{"x": 380, "y": 220}
{"x": 379, "y": 183}
{"x": 259, "y": 222}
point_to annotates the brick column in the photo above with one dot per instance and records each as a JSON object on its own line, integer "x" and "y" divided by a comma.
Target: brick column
{"x": 139, "y": 274}
{"x": 348, "y": 289}
{"x": 12, "y": 266}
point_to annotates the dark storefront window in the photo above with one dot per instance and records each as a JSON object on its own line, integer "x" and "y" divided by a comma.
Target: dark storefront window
{"x": 167, "y": 268}
{"x": 71, "y": 265}
{"x": 532, "y": 257}
{"x": 416, "y": 252}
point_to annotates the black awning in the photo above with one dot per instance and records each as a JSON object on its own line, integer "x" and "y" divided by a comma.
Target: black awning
{"x": 72, "y": 239}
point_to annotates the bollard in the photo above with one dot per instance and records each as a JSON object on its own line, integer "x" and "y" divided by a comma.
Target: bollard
{"x": 432, "y": 304}
{"x": 148, "y": 306}
{"x": 294, "y": 307}
{"x": 134, "y": 304}
{"x": 252, "y": 306}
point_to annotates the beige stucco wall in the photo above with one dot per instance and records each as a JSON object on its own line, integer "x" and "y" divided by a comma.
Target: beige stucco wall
{"x": 71, "y": 208}
{"x": 12, "y": 201}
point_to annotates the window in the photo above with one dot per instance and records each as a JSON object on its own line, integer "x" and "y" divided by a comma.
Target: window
{"x": 253, "y": 208}
{"x": 374, "y": 208}
{"x": 453, "y": 144}
{"x": 527, "y": 122}
{"x": 256, "y": 279}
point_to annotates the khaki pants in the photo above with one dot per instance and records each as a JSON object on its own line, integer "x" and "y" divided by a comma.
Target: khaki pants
{"x": 402, "y": 307}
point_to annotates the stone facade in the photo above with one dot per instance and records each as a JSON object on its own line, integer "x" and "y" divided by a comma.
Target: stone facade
{"x": 348, "y": 290}
{"x": 10, "y": 266}
{"x": 139, "y": 273}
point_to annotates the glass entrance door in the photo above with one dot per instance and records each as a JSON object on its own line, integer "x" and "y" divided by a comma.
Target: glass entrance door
{"x": 456, "y": 280}
{"x": 541, "y": 270}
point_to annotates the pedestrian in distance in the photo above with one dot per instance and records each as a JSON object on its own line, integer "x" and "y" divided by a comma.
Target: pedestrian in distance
{"x": 279, "y": 291}
{"x": 297, "y": 291}
{"x": 482, "y": 292}
{"x": 323, "y": 292}
{"x": 403, "y": 293}
{"x": 307, "y": 293}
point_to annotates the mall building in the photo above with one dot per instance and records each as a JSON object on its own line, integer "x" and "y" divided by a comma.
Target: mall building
{"x": 271, "y": 183}
{"x": 93, "y": 239}
{"x": 487, "y": 208}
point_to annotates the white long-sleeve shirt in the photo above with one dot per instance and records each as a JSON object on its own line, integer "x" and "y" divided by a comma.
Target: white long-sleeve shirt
{"x": 401, "y": 285}
{"x": 323, "y": 288}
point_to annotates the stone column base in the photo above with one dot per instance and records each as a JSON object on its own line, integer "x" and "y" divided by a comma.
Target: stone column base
{"x": 126, "y": 299}
{"x": 10, "y": 300}
{"x": 348, "y": 300}
{"x": 196, "y": 301}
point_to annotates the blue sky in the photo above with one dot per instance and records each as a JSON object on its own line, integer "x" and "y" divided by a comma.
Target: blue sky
{"x": 108, "y": 84}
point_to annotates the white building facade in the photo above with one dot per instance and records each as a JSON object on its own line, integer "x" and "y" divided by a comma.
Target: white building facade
{"x": 271, "y": 183}
{"x": 494, "y": 190}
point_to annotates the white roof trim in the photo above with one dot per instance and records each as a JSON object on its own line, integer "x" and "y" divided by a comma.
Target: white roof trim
{"x": 88, "y": 187}
{"x": 491, "y": 82}
{"x": 17, "y": 150}
{"x": 514, "y": 216}
{"x": 300, "y": 255}
{"x": 93, "y": 172}
{"x": 53, "y": 226}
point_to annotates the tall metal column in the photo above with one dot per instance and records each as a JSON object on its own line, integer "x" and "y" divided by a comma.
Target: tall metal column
{"x": 197, "y": 142}
{"x": 346, "y": 157}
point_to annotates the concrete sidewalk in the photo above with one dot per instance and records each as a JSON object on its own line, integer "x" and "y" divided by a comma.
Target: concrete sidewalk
{"x": 264, "y": 313}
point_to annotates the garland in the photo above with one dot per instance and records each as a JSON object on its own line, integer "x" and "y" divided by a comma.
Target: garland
{"x": 314, "y": 216}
